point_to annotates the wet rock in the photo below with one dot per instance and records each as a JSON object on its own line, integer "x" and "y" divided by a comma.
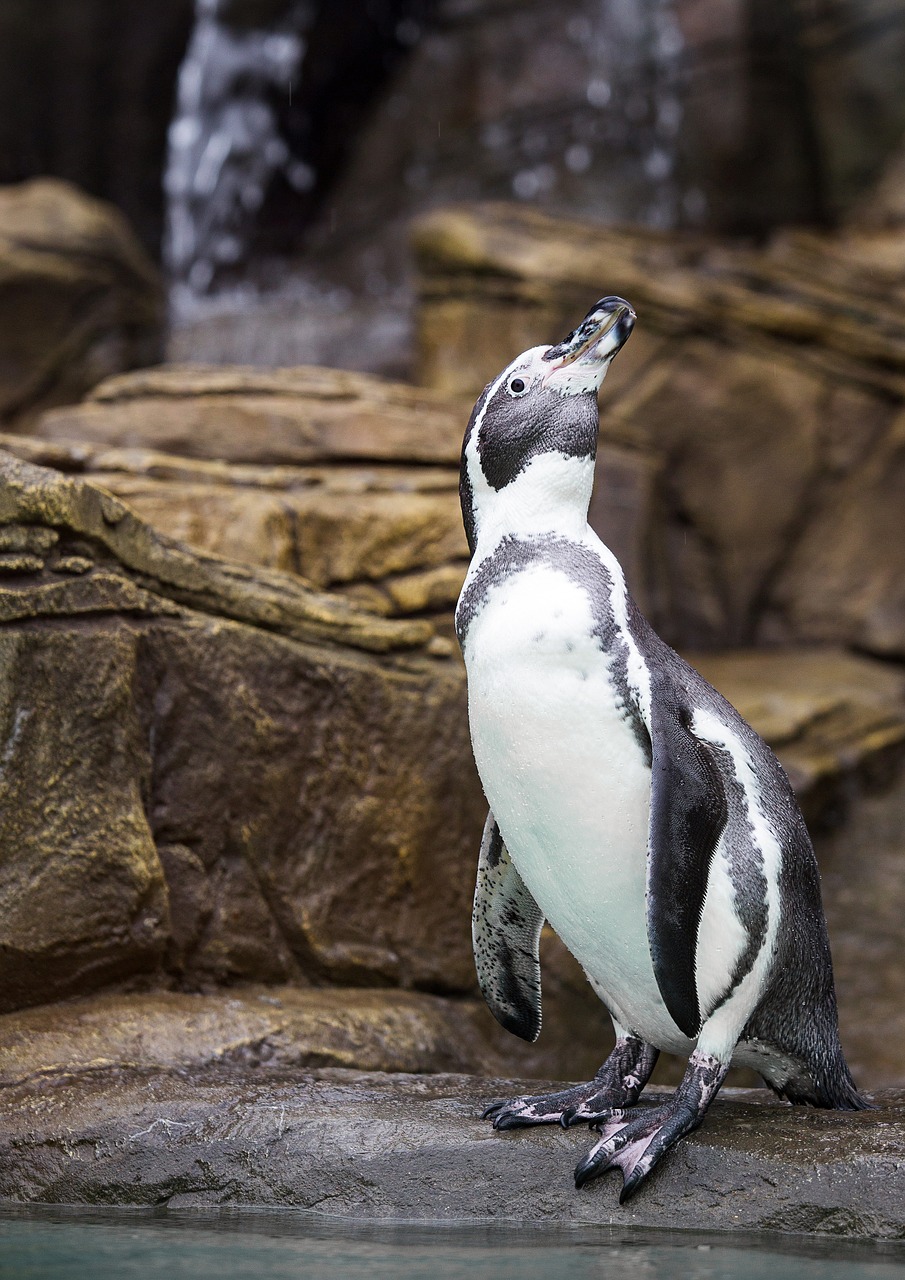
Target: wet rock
{"x": 771, "y": 385}
{"x": 79, "y": 300}
{"x": 408, "y": 1146}
{"x": 215, "y": 772}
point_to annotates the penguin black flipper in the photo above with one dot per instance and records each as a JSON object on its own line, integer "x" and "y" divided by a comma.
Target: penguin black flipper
{"x": 505, "y": 930}
{"x": 688, "y": 814}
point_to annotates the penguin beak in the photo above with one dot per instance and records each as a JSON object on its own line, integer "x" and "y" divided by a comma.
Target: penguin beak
{"x": 588, "y": 350}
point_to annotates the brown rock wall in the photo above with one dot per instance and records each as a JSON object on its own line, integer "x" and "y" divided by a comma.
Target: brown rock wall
{"x": 348, "y": 480}
{"x": 83, "y": 897}
{"x": 191, "y": 795}
{"x": 291, "y": 416}
{"x": 770, "y": 386}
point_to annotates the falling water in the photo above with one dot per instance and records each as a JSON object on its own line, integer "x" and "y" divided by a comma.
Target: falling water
{"x": 225, "y": 145}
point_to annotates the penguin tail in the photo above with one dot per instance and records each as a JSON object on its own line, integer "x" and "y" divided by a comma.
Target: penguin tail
{"x": 846, "y": 1097}
{"x": 832, "y": 1089}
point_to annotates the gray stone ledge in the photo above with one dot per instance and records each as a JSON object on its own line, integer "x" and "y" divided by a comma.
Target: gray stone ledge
{"x": 381, "y": 1146}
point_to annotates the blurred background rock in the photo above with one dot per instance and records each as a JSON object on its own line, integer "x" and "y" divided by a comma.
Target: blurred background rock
{"x": 257, "y": 257}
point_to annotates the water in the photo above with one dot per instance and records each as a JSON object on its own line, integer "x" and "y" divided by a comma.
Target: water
{"x": 225, "y": 145}
{"x": 249, "y": 1244}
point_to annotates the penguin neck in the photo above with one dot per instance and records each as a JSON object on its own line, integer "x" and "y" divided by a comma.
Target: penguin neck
{"x": 551, "y": 496}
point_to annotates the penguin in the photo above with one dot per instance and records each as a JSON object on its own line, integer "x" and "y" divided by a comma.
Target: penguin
{"x": 631, "y": 806}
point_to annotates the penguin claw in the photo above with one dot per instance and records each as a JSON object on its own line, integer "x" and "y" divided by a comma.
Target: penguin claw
{"x": 585, "y": 1113}
{"x": 580, "y": 1104}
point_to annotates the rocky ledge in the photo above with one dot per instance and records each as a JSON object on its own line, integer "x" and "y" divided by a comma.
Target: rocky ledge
{"x": 412, "y": 1146}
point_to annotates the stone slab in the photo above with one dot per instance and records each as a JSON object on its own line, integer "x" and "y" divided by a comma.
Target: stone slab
{"x": 292, "y": 416}
{"x": 249, "y": 1026}
{"x": 409, "y": 1146}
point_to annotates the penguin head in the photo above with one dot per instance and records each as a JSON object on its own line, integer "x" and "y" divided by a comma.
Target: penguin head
{"x": 528, "y": 454}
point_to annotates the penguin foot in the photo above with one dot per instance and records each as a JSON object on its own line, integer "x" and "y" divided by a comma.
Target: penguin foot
{"x": 616, "y": 1086}
{"x": 637, "y": 1143}
{"x": 552, "y": 1108}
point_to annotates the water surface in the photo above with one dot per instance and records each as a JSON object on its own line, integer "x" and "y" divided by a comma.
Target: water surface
{"x": 248, "y": 1244}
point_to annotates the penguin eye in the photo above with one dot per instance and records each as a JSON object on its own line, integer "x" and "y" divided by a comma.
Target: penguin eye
{"x": 517, "y": 387}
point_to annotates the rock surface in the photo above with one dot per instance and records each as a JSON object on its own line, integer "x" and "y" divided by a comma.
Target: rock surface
{"x": 404, "y": 1146}
{"x": 280, "y": 416}
{"x": 774, "y": 400}
{"x": 247, "y": 1027}
{"x": 214, "y": 772}
{"x": 346, "y": 479}
{"x": 79, "y": 299}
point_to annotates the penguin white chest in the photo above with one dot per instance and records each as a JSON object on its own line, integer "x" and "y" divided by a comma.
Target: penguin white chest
{"x": 567, "y": 779}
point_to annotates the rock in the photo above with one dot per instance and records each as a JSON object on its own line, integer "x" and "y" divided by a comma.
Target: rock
{"x": 273, "y": 1027}
{"x": 774, "y": 379}
{"x": 408, "y": 1146}
{"x": 83, "y": 898}
{"x": 346, "y": 479}
{"x": 275, "y": 416}
{"x": 217, "y": 773}
{"x": 79, "y": 300}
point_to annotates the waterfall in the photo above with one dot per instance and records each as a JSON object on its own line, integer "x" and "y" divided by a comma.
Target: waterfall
{"x": 224, "y": 144}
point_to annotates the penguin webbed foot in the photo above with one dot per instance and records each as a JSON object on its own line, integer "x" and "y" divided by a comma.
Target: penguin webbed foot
{"x": 636, "y": 1144}
{"x": 616, "y": 1086}
{"x": 570, "y": 1106}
